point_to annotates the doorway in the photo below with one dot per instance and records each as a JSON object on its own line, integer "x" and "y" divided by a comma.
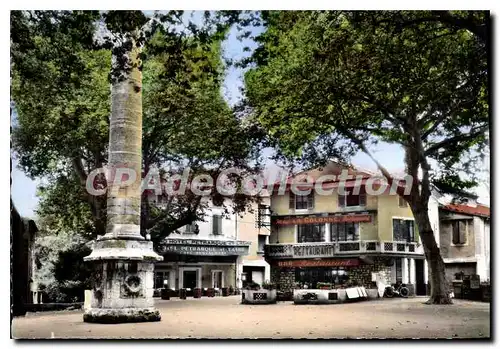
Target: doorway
{"x": 190, "y": 279}
{"x": 421, "y": 289}
{"x": 217, "y": 279}
{"x": 253, "y": 275}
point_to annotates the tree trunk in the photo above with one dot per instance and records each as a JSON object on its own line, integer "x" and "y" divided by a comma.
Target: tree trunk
{"x": 439, "y": 287}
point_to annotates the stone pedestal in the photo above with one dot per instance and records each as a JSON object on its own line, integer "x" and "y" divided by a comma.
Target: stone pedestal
{"x": 122, "y": 282}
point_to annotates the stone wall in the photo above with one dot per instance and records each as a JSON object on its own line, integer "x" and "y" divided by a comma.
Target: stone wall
{"x": 362, "y": 274}
{"x": 284, "y": 278}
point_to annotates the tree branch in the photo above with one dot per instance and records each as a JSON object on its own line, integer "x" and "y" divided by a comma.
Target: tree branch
{"x": 453, "y": 140}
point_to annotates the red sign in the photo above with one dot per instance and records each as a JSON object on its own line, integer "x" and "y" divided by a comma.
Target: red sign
{"x": 318, "y": 263}
{"x": 328, "y": 219}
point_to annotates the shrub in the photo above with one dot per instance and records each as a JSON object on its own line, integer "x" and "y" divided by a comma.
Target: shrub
{"x": 268, "y": 285}
{"x": 323, "y": 284}
{"x": 252, "y": 286}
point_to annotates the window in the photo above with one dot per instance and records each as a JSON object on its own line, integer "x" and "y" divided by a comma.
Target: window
{"x": 191, "y": 228}
{"x": 311, "y": 276}
{"x": 459, "y": 230}
{"x": 348, "y": 200}
{"x": 161, "y": 276}
{"x": 217, "y": 224}
{"x": 344, "y": 231}
{"x": 262, "y": 242}
{"x": 403, "y": 230}
{"x": 311, "y": 233}
{"x": 402, "y": 202}
{"x": 302, "y": 202}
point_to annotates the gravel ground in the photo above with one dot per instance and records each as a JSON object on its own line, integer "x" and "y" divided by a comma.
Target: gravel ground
{"x": 224, "y": 317}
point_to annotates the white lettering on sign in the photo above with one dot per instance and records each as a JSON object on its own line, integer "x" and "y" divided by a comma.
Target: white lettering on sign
{"x": 205, "y": 250}
{"x": 313, "y": 251}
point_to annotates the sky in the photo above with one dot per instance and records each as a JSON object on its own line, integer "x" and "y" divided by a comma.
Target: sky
{"x": 23, "y": 189}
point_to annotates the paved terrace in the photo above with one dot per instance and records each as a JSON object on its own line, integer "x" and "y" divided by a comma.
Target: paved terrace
{"x": 224, "y": 317}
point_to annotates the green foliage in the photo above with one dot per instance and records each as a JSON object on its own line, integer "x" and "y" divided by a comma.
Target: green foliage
{"x": 406, "y": 77}
{"x": 414, "y": 78}
{"x": 58, "y": 258}
{"x": 60, "y": 88}
{"x": 266, "y": 285}
{"x": 252, "y": 286}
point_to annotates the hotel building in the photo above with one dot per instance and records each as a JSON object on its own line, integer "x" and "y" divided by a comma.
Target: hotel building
{"x": 343, "y": 239}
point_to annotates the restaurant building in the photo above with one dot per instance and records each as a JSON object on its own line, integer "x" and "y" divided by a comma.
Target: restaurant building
{"x": 224, "y": 250}
{"x": 204, "y": 254}
{"x": 344, "y": 239}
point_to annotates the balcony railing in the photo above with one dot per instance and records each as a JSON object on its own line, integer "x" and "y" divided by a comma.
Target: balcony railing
{"x": 329, "y": 249}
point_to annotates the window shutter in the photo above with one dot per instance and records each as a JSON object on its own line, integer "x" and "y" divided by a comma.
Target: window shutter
{"x": 411, "y": 232}
{"x": 462, "y": 232}
{"x": 362, "y": 199}
{"x": 455, "y": 232}
{"x": 310, "y": 200}
{"x": 341, "y": 200}
{"x": 215, "y": 225}
{"x": 292, "y": 201}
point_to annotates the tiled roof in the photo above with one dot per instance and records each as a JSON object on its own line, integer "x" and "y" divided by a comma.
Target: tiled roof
{"x": 479, "y": 210}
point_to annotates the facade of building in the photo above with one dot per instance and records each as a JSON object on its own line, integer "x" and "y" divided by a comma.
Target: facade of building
{"x": 465, "y": 240}
{"x": 343, "y": 239}
{"x": 223, "y": 250}
{"x": 254, "y": 267}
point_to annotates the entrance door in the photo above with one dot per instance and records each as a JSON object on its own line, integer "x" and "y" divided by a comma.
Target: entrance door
{"x": 217, "y": 279}
{"x": 189, "y": 279}
{"x": 419, "y": 277}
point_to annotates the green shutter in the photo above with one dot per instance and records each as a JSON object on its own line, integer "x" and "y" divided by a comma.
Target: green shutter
{"x": 310, "y": 200}
{"x": 291, "y": 201}
{"x": 462, "y": 226}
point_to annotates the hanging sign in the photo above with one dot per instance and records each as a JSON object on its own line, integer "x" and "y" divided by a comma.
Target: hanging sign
{"x": 328, "y": 219}
{"x": 318, "y": 263}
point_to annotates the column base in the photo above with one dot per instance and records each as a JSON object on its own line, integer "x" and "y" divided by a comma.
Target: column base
{"x": 116, "y": 316}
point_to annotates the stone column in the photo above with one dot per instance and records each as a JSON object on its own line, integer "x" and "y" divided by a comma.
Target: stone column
{"x": 413, "y": 276}
{"x": 404, "y": 267}
{"x": 426, "y": 272}
{"x": 123, "y": 260}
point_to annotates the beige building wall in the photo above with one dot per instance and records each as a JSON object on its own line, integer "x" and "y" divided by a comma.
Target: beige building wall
{"x": 387, "y": 209}
{"x": 280, "y": 204}
{"x": 247, "y": 231}
{"x": 229, "y": 275}
{"x": 385, "y": 205}
{"x": 448, "y": 249}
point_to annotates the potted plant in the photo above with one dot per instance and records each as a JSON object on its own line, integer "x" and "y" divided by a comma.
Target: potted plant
{"x": 254, "y": 294}
{"x": 210, "y": 292}
{"x": 252, "y": 286}
{"x": 197, "y": 292}
{"x": 231, "y": 290}
{"x": 324, "y": 285}
{"x": 268, "y": 285}
{"x": 165, "y": 293}
{"x": 182, "y": 293}
{"x": 225, "y": 291}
